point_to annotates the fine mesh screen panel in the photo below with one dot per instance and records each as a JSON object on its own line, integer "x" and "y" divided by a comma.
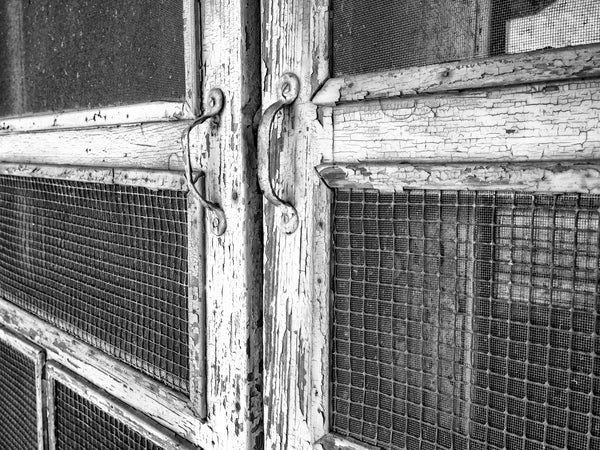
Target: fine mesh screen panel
{"x": 106, "y": 263}
{"x": 466, "y": 320}
{"x": 81, "y": 425}
{"x": 77, "y": 54}
{"x": 18, "y": 400}
{"x": 385, "y": 35}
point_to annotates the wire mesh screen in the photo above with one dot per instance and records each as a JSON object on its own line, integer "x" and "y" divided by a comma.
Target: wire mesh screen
{"x": 466, "y": 320}
{"x": 385, "y": 35}
{"x": 81, "y": 425}
{"x": 106, "y": 263}
{"x": 74, "y": 54}
{"x": 18, "y": 400}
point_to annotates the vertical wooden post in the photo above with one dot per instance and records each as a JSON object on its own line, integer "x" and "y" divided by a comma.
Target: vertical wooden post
{"x": 295, "y": 39}
{"x": 226, "y": 153}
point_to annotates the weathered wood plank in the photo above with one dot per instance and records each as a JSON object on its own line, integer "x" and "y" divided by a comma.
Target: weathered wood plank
{"x": 151, "y": 179}
{"x": 231, "y": 62}
{"x": 334, "y": 442}
{"x": 191, "y": 48}
{"x": 197, "y": 306}
{"x": 535, "y": 176}
{"x": 93, "y": 118}
{"x": 295, "y": 39}
{"x": 124, "y": 414}
{"x": 541, "y": 66}
{"x": 144, "y": 145}
{"x": 520, "y": 123}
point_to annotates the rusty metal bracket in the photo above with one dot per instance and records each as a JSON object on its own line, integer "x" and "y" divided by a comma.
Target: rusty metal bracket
{"x": 287, "y": 89}
{"x": 214, "y": 107}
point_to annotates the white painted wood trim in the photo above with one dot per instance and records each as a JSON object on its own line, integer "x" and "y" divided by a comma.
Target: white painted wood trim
{"x": 38, "y": 357}
{"x": 40, "y": 388}
{"x": 332, "y": 441}
{"x": 50, "y": 414}
{"x": 111, "y": 406}
{"x": 296, "y": 39}
{"x": 540, "y": 66}
{"x": 191, "y": 37}
{"x": 23, "y": 346}
{"x": 231, "y": 62}
{"x": 197, "y": 306}
{"x": 166, "y": 406}
{"x": 93, "y": 118}
{"x": 321, "y": 313}
{"x": 540, "y": 176}
{"x": 144, "y": 145}
{"x": 151, "y": 179}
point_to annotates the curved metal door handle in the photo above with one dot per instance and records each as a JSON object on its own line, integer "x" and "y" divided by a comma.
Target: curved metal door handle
{"x": 215, "y": 105}
{"x": 287, "y": 90}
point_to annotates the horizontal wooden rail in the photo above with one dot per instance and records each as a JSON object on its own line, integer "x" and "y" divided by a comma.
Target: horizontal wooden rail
{"x": 532, "y": 176}
{"x": 505, "y": 70}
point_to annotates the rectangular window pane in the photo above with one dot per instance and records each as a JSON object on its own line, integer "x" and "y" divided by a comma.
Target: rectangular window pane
{"x": 106, "y": 263}
{"x": 466, "y": 320}
{"x": 386, "y": 35}
{"x": 78, "y": 54}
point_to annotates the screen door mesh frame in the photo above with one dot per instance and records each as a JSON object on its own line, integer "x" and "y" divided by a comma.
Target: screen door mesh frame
{"x": 151, "y": 179}
{"x": 108, "y": 405}
{"x": 38, "y": 357}
{"x": 540, "y": 177}
{"x": 154, "y": 111}
{"x": 442, "y": 32}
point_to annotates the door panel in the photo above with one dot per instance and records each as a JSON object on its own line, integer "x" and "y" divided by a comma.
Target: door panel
{"x": 375, "y": 319}
{"x": 172, "y": 338}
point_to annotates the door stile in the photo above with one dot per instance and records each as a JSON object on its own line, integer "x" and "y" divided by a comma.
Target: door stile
{"x": 295, "y": 296}
{"x": 226, "y": 152}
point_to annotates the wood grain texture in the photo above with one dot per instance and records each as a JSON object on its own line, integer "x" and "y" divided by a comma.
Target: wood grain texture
{"x": 111, "y": 406}
{"x": 144, "y": 145}
{"x": 151, "y": 179}
{"x": 537, "y": 176}
{"x": 196, "y": 305}
{"x": 226, "y": 151}
{"x": 93, "y": 118}
{"x": 191, "y": 37}
{"x": 541, "y": 66}
{"x": 295, "y": 39}
{"x": 332, "y": 441}
{"x": 520, "y": 123}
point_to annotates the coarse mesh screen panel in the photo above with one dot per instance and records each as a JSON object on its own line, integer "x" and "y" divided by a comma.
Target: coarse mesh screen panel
{"x": 74, "y": 54}
{"x": 466, "y": 320}
{"x": 18, "y": 401}
{"x": 107, "y": 263}
{"x": 81, "y": 425}
{"x": 386, "y": 35}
